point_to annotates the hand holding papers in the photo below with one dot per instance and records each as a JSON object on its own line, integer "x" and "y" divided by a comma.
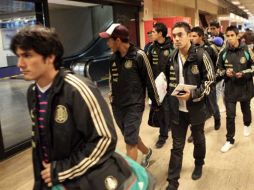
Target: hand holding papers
{"x": 161, "y": 85}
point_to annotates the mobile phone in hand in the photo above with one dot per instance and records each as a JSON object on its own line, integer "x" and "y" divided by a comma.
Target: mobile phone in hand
{"x": 181, "y": 92}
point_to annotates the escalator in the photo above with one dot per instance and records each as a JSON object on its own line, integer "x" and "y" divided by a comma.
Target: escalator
{"x": 85, "y": 53}
{"x": 93, "y": 63}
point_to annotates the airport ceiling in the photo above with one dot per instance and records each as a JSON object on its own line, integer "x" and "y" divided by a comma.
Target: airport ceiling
{"x": 246, "y": 5}
{"x": 10, "y": 7}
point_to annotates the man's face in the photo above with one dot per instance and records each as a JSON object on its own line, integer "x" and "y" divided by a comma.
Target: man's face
{"x": 180, "y": 37}
{"x": 214, "y": 31}
{"x": 232, "y": 38}
{"x": 195, "y": 38}
{"x": 155, "y": 35}
{"x": 33, "y": 65}
{"x": 150, "y": 37}
{"x": 112, "y": 44}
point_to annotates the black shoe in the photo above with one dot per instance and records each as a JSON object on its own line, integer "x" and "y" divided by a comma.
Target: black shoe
{"x": 216, "y": 124}
{"x": 171, "y": 187}
{"x": 190, "y": 139}
{"x": 160, "y": 143}
{"x": 197, "y": 172}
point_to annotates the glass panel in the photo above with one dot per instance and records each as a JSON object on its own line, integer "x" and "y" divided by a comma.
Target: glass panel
{"x": 90, "y": 19}
{"x": 14, "y": 118}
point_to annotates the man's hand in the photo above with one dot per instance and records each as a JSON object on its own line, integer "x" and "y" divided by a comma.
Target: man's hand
{"x": 46, "y": 174}
{"x": 239, "y": 75}
{"x": 230, "y": 73}
{"x": 185, "y": 96}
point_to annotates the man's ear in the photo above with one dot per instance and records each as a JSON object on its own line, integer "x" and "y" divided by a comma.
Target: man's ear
{"x": 118, "y": 40}
{"x": 51, "y": 58}
{"x": 160, "y": 34}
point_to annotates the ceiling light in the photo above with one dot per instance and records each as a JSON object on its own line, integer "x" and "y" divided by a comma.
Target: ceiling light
{"x": 241, "y": 7}
{"x": 235, "y": 2}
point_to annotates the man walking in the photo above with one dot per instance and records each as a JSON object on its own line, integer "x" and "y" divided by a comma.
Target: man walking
{"x": 158, "y": 55}
{"x": 130, "y": 75}
{"x": 188, "y": 65}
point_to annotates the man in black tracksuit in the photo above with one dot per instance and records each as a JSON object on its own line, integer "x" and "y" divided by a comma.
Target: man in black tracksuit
{"x": 197, "y": 38}
{"x": 188, "y": 65}
{"x": 73, "y": 135}
{"x": 158, "y": 55}
{"x": 130, "y": 75}
{"x": 235, "y": 65}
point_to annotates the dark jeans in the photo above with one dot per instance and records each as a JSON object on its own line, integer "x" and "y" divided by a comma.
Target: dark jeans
{"x": 231, "y": 110}
{"x": 163, "y": 118}
{"x": 179, "y": 136}
{"x": 215, "y": 108}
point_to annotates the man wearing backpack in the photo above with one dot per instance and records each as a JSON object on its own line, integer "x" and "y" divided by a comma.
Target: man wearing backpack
{"x": 158, "y": 55}
{"x": 235, "y": 65}
{"x": 197, "y": 38}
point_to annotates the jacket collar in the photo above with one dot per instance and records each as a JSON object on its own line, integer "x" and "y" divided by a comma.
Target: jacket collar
{"x": 131, "y": 53}
{"x": 166, "y": 45}
{"x": 192, "y": 54}
{"x": 230, "y": 48}
{"x": 58, "y": 81}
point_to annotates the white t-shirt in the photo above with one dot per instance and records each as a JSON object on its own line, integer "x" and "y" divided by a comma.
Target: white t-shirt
{"x": 182, "y": 103}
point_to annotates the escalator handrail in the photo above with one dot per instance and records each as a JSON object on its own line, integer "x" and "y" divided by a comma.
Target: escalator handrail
{"x": 87, "y": 66}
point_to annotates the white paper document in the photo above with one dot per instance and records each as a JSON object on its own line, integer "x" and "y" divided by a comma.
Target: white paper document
{"x": 182, "y": 87}
{"x": 161, "y": 85}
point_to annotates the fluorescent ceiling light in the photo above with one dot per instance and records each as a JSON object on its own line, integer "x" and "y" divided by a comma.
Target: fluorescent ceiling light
{"x": 71, "y": 3}
{"x": 235, "y": 2}
{"x": 245, "y": 10}
{"x": 241, "y": 7}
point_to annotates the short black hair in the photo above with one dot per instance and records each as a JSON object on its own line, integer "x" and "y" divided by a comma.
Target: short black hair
{"x": 232, "y": 28}
{"x": 160, "y": 27}
{"x": 184, "y": 25}
{"x": 42, "y": 40}
{"x": 198, "y": 30}
{"x": 215, "y": 24}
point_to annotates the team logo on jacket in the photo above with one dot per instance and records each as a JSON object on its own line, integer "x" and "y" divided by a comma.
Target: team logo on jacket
{"x": 243, "y": 60}
{"x": 194, "y": 69}
{"x": 61, "y": 114}
{"x": 166, "y": 53}
{"x": 111, "y": 183}
{"x": 128, "y": 64}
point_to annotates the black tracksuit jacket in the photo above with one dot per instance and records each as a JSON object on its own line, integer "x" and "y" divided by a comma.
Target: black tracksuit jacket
{"x": 129, "y": 77}
{"x": 158, "y": 55}
{"x": 80, "y": 132}
{"x": 239, "y": 59}
{"x": 197, "y": 70}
